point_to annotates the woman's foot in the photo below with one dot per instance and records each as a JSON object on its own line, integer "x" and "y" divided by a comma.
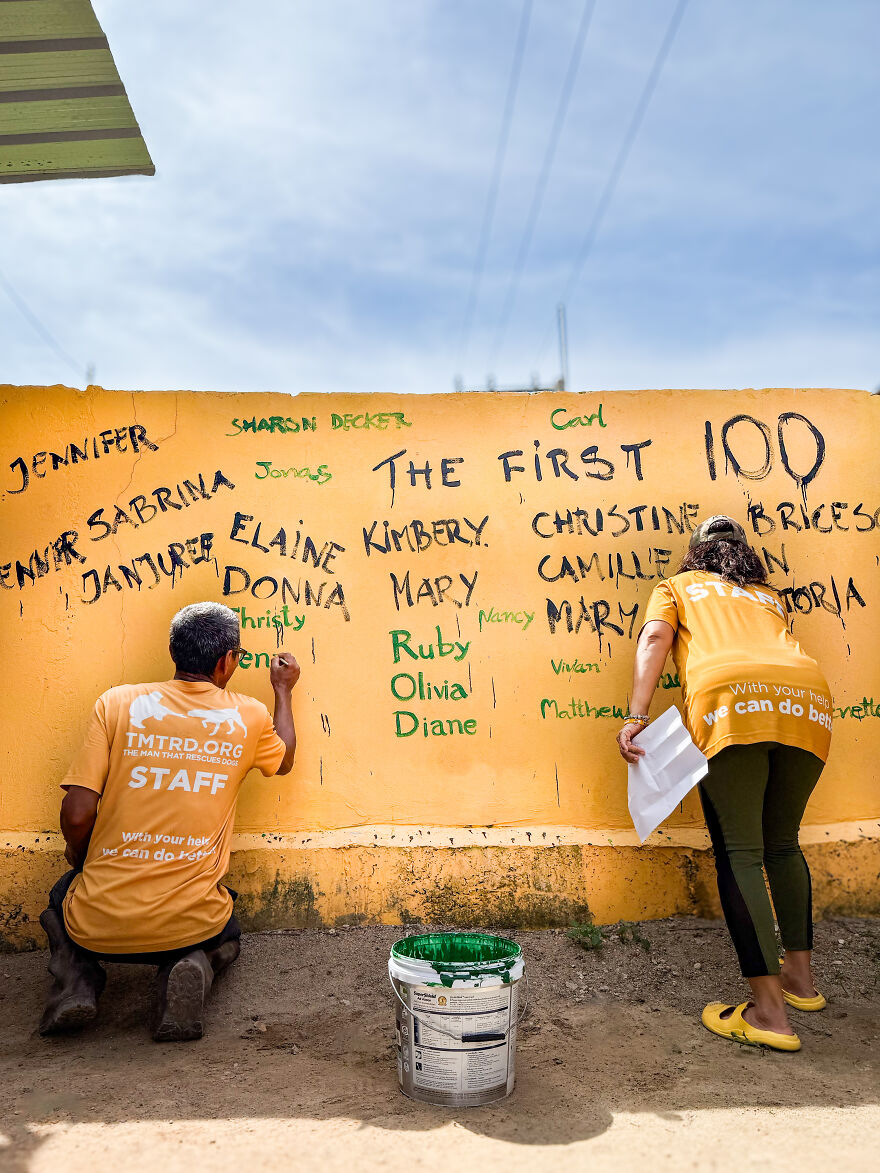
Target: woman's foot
{"x": 762, "y": 1019}
{"x": 797, "y": 979}
{"x": 731, "y": 1023}
{"x": 767, "y": 1019}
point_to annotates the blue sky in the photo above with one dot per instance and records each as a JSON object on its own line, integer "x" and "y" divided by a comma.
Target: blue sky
{"x": 322, "y": 171}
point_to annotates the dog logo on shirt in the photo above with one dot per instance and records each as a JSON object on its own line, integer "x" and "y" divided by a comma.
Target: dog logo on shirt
{"x": 216, "y": 717}
{"x": 145, "y": 706}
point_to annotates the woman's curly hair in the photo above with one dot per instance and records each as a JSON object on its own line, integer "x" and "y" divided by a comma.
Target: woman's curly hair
{"x": 734, "y": 561}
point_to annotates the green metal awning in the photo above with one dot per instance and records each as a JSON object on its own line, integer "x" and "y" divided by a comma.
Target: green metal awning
{"x": 64, "y": 113}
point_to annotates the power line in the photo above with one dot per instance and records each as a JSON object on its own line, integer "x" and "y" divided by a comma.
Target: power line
{"x": 495, "y": 182}
{"x": 629, "y": 138}
{"x": 544, "y": 174}
{"x": 28, "y": 314}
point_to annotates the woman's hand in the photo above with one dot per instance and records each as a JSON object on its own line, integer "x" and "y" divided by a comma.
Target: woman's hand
{"x": 628, "y": 751}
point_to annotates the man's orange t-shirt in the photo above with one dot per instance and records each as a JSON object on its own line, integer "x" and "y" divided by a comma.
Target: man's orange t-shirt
{"x": 744, "y": 677}
{"x": 167, "y": 760}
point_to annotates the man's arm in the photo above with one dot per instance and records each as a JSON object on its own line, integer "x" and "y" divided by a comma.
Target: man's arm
{"x": 79, "y": 809}
{"x": 283, "y": 674}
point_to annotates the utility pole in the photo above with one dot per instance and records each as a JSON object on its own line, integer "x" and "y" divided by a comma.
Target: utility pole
{"x": 563, "y": 344}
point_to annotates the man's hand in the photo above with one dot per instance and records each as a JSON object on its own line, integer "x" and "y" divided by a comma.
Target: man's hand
{"x": 283, "y": 672}
{"x": 629, "y": 752}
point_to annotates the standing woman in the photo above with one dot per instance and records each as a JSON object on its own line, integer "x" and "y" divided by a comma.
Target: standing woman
{"x": 760, "y": 710}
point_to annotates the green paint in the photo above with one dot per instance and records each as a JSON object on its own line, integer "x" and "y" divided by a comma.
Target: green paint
{"x": 320, "y": 476}
{"x": 451, "y": 727}
{"x": 275, "y": 424}
{"x": 867, "y": 708}
{"x": 569, "y": 666}
{"x": 575, "y": 421}
{"x": 461, "y": 956}
{"x": 569, "y": 710}
{"x": 400, "y": 643}
{"x": 405, "y": 686}
{"x": 377, "y": 420}
{"x": 519, "y": 618}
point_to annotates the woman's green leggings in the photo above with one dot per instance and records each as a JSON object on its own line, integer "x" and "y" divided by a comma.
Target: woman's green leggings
{"x": 754, "y": 798}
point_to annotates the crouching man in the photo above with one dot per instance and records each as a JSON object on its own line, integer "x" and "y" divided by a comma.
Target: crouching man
{"x": 148, "y": 816}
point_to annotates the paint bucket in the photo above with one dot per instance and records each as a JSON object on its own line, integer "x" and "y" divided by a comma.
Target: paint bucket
{"x": 457, "y": 999}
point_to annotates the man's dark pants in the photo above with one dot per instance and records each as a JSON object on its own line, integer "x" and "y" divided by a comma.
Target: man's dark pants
{"x": 183, "y": 979}
{"x": 230, "y": 932}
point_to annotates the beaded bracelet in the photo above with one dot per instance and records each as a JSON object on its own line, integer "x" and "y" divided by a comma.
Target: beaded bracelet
{"x": 639, "y": 719}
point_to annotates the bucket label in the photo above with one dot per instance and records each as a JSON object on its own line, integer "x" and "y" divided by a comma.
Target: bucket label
{"x": 460, "y": 999}
{"x": 469, "y": 1030}
{"x": 459, "y": 1071}
{"x": 457, "y": 1043}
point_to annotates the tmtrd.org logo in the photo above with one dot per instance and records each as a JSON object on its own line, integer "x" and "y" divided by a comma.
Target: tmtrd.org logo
{"x": 148, "y": 706}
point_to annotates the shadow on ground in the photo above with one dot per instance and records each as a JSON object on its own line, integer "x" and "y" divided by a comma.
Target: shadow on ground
{"x": 302, "y": 1027}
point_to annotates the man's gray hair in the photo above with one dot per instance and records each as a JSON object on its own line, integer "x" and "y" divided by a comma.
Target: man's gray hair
{"x": 200, "y": 634}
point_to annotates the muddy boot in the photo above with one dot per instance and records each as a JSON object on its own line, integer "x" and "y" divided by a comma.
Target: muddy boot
{"x": 181, "y": 994}
{"x": 79, "y": 980}
{"x": 222, "y": 957}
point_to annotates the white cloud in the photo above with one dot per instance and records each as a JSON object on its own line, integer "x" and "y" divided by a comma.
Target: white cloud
{"x": 321, "y": 174}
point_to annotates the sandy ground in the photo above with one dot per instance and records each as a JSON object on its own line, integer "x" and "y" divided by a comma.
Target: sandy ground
{"x": 297, "y": 1070}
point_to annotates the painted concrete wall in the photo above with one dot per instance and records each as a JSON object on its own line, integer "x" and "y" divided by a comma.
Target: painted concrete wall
{"x": 462, "y": 579}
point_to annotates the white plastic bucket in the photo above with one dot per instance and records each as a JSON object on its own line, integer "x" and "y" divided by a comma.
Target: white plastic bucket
{"x": 456, "y": 1010}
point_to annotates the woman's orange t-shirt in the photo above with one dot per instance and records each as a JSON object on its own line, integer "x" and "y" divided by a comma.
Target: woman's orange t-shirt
{"x": 744, "y": 677}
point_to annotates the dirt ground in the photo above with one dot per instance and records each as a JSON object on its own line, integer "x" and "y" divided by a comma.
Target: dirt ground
{"x": 298, "y": 1071}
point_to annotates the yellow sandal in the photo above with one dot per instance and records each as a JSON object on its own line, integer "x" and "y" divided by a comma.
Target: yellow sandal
{"x": 817, "y": 1002}
{"x": 735, "y": 1028}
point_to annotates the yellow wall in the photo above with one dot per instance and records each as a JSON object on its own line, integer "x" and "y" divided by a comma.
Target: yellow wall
{"x": 312, "y": 468}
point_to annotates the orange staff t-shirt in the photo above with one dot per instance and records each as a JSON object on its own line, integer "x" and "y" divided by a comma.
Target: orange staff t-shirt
{"x": 167, "y": 760}
{"x": 744, "y": 677}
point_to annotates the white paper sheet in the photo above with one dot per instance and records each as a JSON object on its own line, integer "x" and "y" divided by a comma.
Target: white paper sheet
{"x": 670, "y": 769}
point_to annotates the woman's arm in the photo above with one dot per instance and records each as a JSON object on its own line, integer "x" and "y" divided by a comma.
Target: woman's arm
{"x": 655, "y": 640}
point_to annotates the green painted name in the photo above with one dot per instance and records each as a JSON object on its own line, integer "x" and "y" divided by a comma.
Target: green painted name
{"x": 574, "y": 421}
{"x": 519, "y": 618}
{"x": 867, "y": 708}
{"x": 377, "y": 421}
{"x": 320, "y": 476}
{"x": 405, "y": 687}
{"x": 274, "y": 424}
{"x": 567, "y": 667}
{"x": 406, "y": 724}
{"x": 401, "y": 646}
{"x": 577, "y": 708}
{"x": 278, "y": 619}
